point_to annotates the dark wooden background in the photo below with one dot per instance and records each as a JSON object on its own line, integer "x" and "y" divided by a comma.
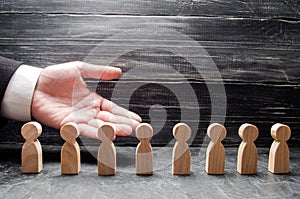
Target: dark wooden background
{"x": 254, "y": 43}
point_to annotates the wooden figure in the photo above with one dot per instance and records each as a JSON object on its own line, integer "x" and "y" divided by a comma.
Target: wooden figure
{"x": 181, "y": 159}
{"x": 70, "y": 152}
{"x": 247, "y": 153}
{"x": 279, "y": 157}
{"x": 32, "y": 150}
{"x": 144, "y": 155}
{"x": 107, "y": 151}
{"x": 215, "y": 154}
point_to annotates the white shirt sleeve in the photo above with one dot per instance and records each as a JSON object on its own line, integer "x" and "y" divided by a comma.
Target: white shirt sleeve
{"x": 16, "y": 103}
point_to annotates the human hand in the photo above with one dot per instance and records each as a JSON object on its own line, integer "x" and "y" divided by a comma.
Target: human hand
{"x": 62, "y": 96}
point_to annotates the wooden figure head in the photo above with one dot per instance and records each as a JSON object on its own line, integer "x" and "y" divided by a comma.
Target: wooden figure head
{"x": 248, "y": 132}
{"x": 106, "y": 132}
{"x": 144, "y": 131}
{"x": 216, "y": 132}
{"x": 31, "y": 131}
{"x": 182, "y": 132}
{"x": 69, "y": 132}
{"x": 280, "y": 132}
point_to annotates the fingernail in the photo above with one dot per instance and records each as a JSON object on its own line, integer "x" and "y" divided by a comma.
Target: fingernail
{"x": 135, "y": 124}
{"x": 115, "y": 69}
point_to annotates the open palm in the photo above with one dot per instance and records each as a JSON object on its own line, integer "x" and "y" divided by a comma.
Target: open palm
{"x": 61, "y": 96}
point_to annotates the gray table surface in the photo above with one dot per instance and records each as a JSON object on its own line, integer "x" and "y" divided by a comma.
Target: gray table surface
{"x": 125, "y": 184}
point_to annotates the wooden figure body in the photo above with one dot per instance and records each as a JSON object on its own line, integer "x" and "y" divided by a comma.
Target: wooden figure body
{"x": 107, "y": 151}
{"x": 215, "y": 154}
{"x": 247, "y": 153}
{"x": 70, "y": 152}
{"x": 144, "y": 155}
{"x": 279, "y": 157}
{"x": 181, "y": 158}
{"x": 32, "y": 150}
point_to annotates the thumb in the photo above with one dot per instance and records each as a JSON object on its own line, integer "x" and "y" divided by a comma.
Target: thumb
{"x": 98, "y": 71}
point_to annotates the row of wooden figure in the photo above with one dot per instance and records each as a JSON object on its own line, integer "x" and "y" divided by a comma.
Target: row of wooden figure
{"x": 181, "y": 159}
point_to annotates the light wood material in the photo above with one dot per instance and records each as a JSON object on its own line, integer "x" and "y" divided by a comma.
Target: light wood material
{"x": 107, "y": 151}
{"x": 279, "y": 156}
{"x": 247, "y": 153}
{"x": 181, "y": 158}
{"x": 70, "y": 152}
{"x": 215, "y": 154}
{"x": 32, "y": 150}
{"x": 144, "y": 154}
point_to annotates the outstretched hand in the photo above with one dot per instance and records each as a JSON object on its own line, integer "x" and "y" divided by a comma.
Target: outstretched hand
{"x": 62, "y": 96}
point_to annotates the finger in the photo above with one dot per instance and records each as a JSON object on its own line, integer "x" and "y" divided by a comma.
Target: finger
{"x": 91, "y": 131}
{"x": 97, "y": 71}
{"x": 109, "y": 117}
{"x": 109, "y": 106}
{"x": 96, "y": 123}
{"x": 121, "y": 129}
{"x": 88, "y": 131}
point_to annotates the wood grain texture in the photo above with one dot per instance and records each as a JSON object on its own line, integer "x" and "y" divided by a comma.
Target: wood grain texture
{"x": 215, "y": 152}
{"x": 32, "y": 160}
{"x": 233, "y": 8}
{"x": 181, "y": 156}
{"x": 70, "y": 152}
{"x": 107, "y": 151}
{"x": 279, "y": 156}
{"x": 247, "y": 153}
{"x": 255, "y": 54}
{"x": 254, "y": 44}
{"x": 144, "y": 154}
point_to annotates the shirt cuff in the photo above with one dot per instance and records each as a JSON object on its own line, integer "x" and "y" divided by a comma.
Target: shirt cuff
{"x": 16, "y": 103}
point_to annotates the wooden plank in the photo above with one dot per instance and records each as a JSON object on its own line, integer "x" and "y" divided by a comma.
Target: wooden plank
{"x": 252, "y": 55}
{"x": 232, "y": 8}
{"x": 47, "y": 27}
{"x": 235, "y": 65}
{"x": 261, "y": 105}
